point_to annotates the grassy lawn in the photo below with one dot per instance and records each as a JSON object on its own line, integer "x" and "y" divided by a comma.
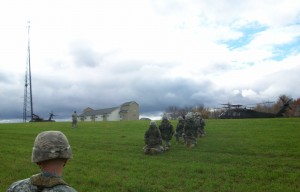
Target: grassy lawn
{"x": 235, "y": 155}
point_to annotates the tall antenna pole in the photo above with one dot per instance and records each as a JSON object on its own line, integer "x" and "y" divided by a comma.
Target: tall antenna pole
{"x": 27, "y": 107}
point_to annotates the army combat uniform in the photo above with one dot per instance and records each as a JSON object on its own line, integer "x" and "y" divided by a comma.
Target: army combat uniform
{"x": 48, "y": 146}
{"x": 153, "y": 140}
{"x": 190, "y": 131}
{"x": 74, "y": 120}
{"x": 179, "y": 129}
{"x": 200, "y": 124}
{"x": 166, "y": 131}
{"x": 42, "y": 183}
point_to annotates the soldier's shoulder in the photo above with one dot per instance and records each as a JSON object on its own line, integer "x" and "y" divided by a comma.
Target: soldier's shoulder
{"x": 61, "y": 188}
{"x": 22, "y": 185}
{"x": 25, "y": 186}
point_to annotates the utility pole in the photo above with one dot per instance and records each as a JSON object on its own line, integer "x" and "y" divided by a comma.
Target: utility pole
{"x": 27, "y": 106}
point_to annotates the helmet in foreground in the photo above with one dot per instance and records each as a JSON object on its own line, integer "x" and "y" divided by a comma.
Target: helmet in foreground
{"x": 50, "y": 145}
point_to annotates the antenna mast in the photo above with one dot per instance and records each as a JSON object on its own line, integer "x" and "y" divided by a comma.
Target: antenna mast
{"x": 27, "y": 107}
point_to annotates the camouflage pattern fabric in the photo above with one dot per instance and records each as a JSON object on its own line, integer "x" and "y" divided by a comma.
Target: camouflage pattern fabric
{"x": 153, "y": 140}
{"x": 50, "y": 145}
{"x": 179, "y": 129}
{"x": 200, "y": 129}
{"x": 190, "y": 131}
{"x": 190, "y": 127}
{"x": 166, "y": 130}
{"x": 153, "y": 150}
{"x": 152, "y": 136}
{"x": 39, "y": 183}
{"x": 74, "y": 120}
{"x": 199, "y": 122}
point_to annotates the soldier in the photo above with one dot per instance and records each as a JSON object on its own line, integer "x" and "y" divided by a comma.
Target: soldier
{"x": 153, "y": 140}
{"x": 190, "y": 130}
{"x": 166, "y": 131}
{"x": 200, "y": 124}
{"x": 50, "y": 152}
{"x": 74, "y": 120}
{"x": 179, "y": 129}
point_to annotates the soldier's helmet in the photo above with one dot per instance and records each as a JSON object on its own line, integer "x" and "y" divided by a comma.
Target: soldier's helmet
{"x": 153, "y": 123}
{"x": 50, "y": 145}
{"x": 197, "y": 113}
{"x": 189, "y": 115}
{"x": 180, "y": 118}
{"x": 165, "y": 117}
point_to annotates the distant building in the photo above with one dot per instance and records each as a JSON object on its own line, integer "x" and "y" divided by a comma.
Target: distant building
{"x": 126, "y": 111}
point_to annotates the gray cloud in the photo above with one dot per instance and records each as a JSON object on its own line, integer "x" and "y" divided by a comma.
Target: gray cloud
{"x": 163, "y": 53}
{"x": 84, "y": 55}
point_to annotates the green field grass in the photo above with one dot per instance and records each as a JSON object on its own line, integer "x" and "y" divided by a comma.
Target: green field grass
{"x": 235, "y": 155}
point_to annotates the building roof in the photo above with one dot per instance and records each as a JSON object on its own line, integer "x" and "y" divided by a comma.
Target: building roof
{"x": 99, "y": 111}
{"x": 128, "y": 103}
{"x": 91, "y": 112}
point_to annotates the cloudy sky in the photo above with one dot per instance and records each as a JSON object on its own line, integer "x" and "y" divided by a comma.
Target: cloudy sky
{"x": 100, "y": 54}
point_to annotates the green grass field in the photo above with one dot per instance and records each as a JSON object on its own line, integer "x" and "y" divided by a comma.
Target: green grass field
{"x": 235, "y": 155}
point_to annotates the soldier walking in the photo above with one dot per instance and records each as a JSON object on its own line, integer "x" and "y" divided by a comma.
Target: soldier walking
{"x": 179, "y": 129}
{"x": 190, "y": 130}
{"x": 166, "y": 131}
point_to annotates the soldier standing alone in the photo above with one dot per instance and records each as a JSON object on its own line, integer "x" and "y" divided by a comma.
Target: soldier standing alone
{"x": 50, "y": 152}
{"x": 74, "y": 120}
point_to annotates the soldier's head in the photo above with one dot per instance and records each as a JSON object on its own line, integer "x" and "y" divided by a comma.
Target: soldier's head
{"x": 50, "y": 145}
{"x": 189, "y": 115}
{"x": 153, "y": 125}
{"x": 180, "y": 118}
{"x": 164, "y": 118}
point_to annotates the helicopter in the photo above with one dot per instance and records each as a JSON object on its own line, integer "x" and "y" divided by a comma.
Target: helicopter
{"x": 237, "y": 112}
{"x": 36, "y": 118}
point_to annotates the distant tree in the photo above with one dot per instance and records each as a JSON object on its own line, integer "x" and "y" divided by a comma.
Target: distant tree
{"x": 205, "y": 112}
{"x": 295, "y": 111}
{"x": 174, "y": 112}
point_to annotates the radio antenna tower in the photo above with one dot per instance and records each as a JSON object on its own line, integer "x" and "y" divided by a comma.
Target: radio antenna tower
{"x": 27, "y": 107}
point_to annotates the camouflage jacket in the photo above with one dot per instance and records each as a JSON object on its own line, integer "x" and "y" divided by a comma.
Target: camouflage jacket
{"x": 152, "y": 136}
{"x": 190, "y": 127}
{"x": 39, "y": 183}
{"x": 179, "y": 127}
{"x": 166, "y": 130}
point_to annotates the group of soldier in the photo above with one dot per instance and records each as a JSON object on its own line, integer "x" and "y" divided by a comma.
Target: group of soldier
{"x": 189, "y": 128}
{"x": 51, "y": 151}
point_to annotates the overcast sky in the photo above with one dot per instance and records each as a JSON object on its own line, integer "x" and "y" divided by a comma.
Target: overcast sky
{"x": 100, "y": 54}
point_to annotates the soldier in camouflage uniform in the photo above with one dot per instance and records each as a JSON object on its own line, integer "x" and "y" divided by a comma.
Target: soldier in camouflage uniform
{"x": 200, "y": 123}
{"x": 153, "y": 140}
{"x": 179, "y": 129}
{"x": 190, "y": 130}
{"x": 51, "y": 152}
{"x": 166, "y": 131}
{"x": 74, "y": 119}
